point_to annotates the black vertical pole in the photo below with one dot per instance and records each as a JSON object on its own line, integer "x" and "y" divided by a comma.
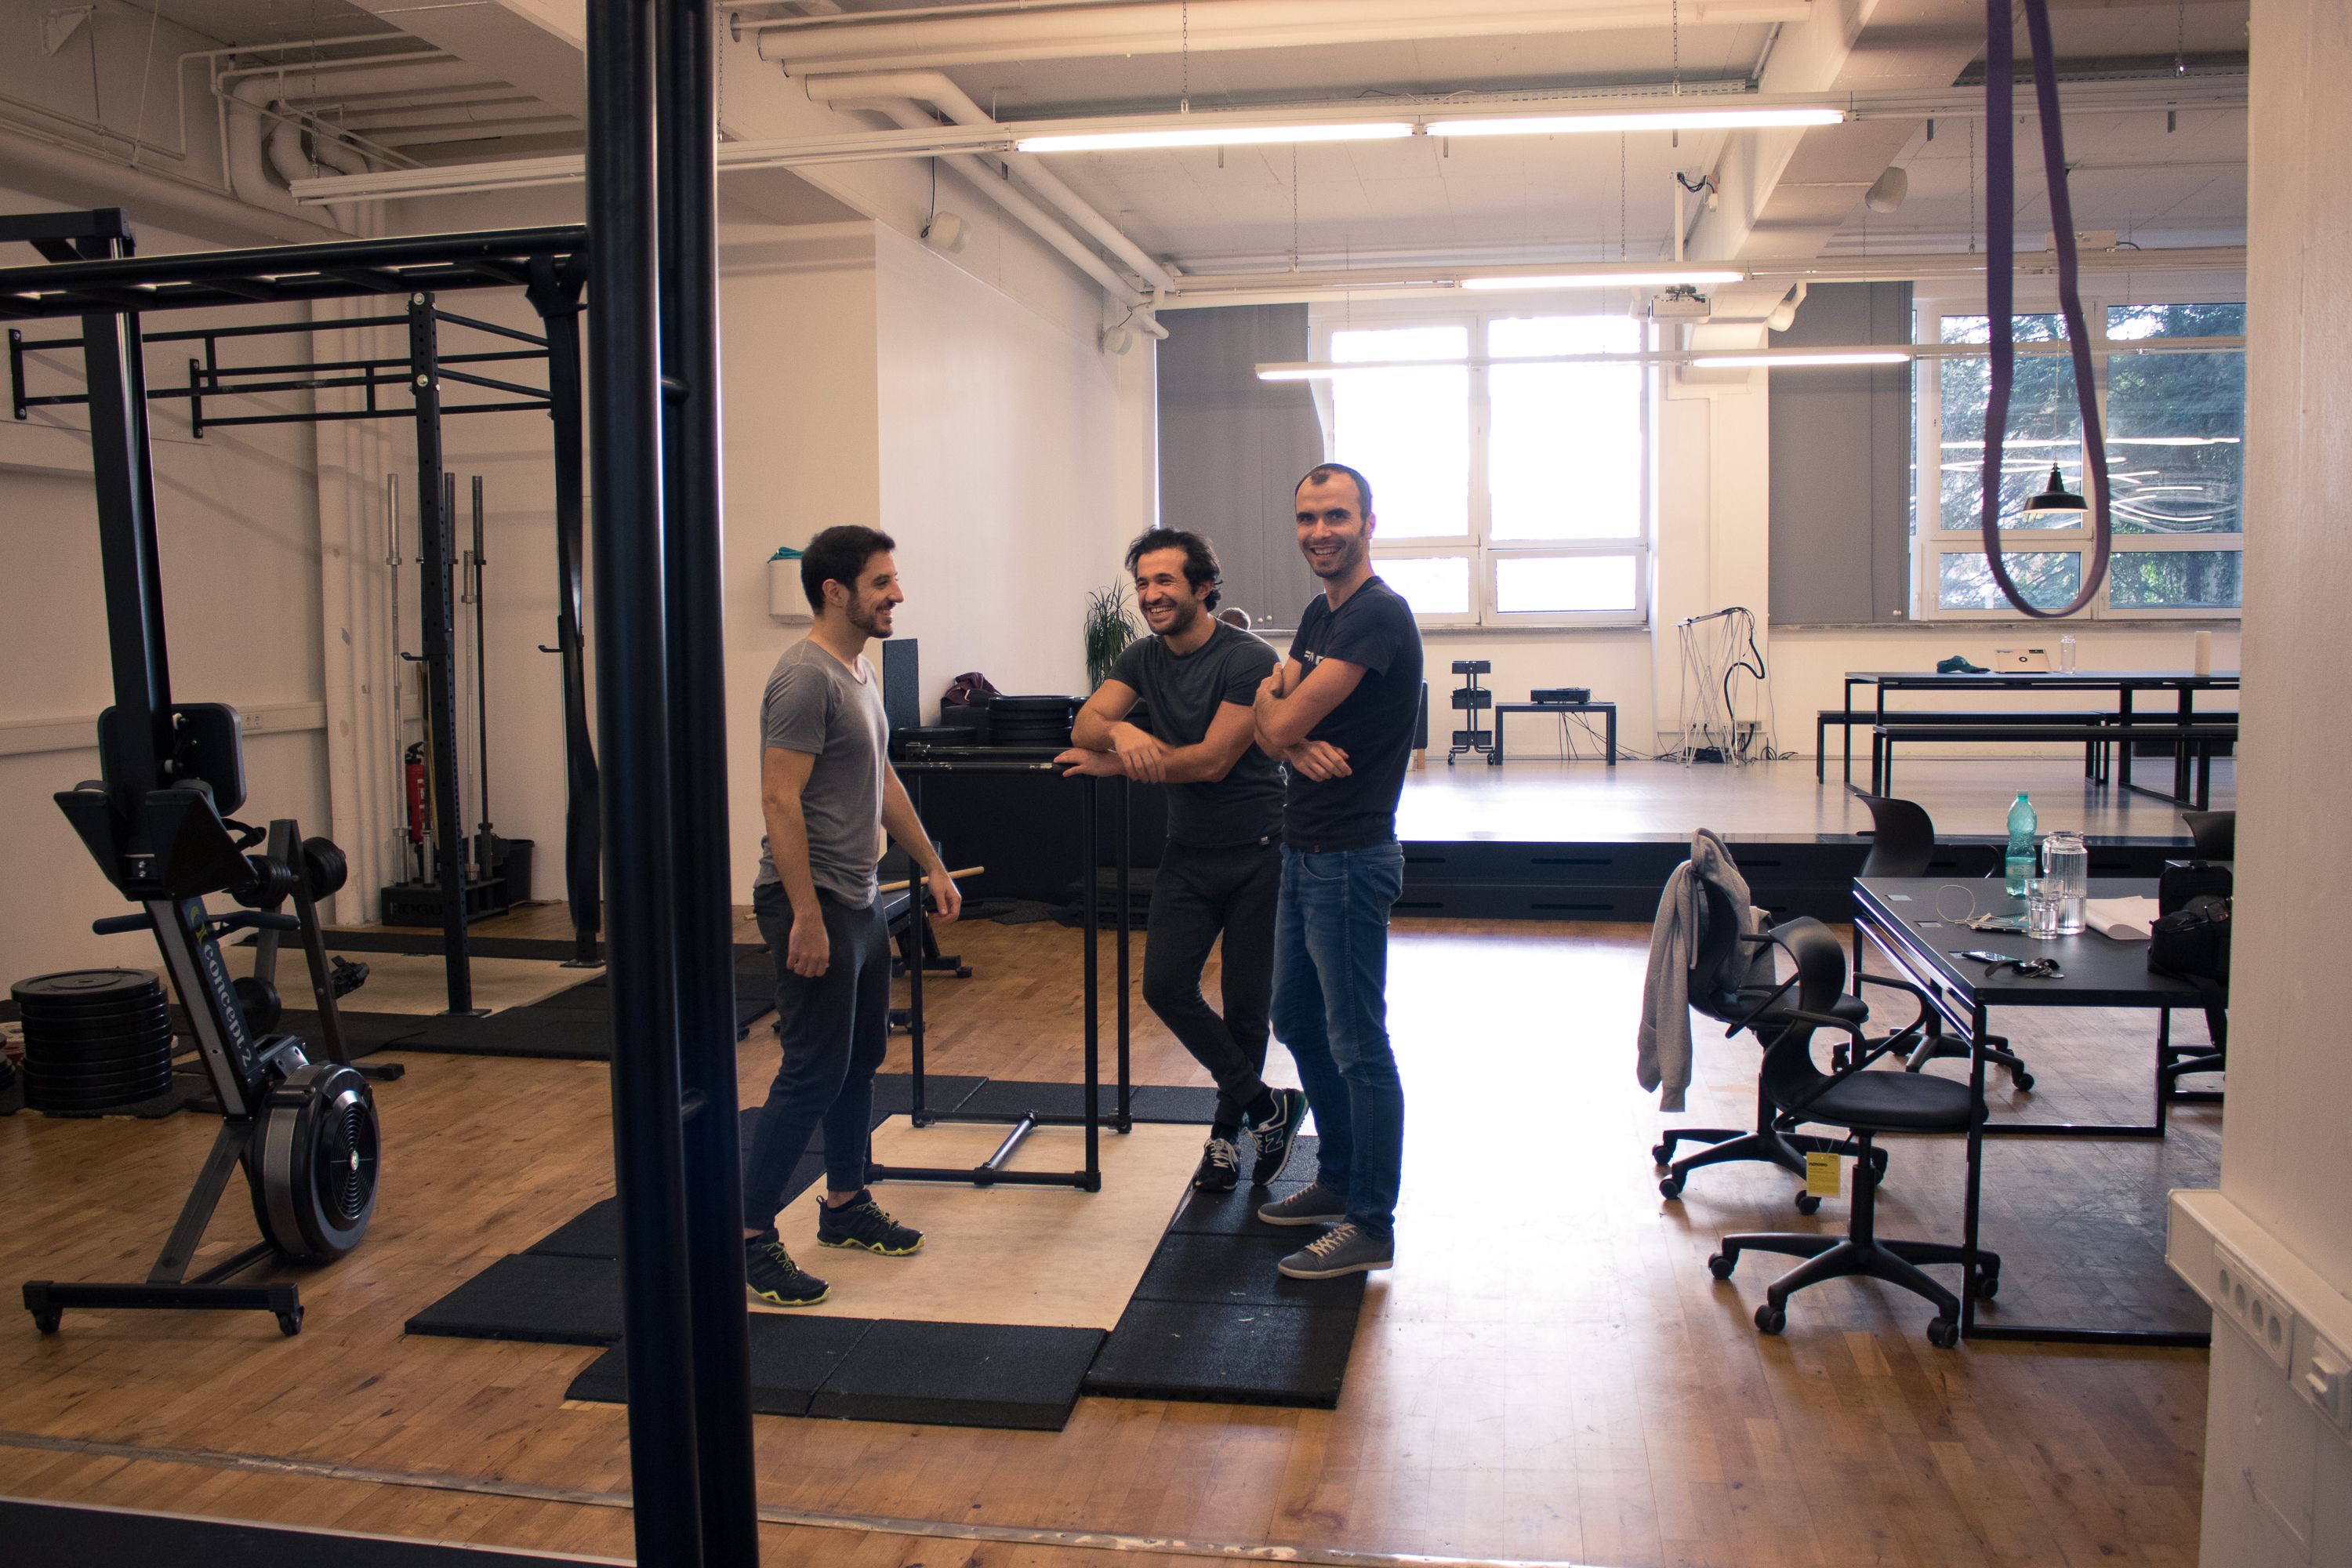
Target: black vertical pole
{"x": 702, "y": 940}
{"x": 556, "y": 296}
{"x": 632, "y": 706}
{"x": 140, "y": 741}
{"x": 438, "y": 624}
{"x": 483, "y": 846}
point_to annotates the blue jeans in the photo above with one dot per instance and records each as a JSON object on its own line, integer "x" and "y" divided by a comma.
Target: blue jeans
{"x": 1331, "y": 1009}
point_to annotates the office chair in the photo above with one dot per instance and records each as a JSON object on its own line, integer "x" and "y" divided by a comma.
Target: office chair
{"x": 2214, "y": 832}
{"x": 1718, "y": 963}
{"x": 1903, "y": 844}
{"x": 1864, "y": 1103}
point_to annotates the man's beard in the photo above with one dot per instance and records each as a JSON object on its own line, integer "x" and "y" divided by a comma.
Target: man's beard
{"x": 869, "y": 622}
{"x": 1343, "y": 561}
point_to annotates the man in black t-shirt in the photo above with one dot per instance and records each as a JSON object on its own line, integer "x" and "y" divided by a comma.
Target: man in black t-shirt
{"x": 1341, "y": 711}
{"x": 1197, "y": 678}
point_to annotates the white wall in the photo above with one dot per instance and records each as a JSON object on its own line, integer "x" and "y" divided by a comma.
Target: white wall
{"x": 2286, "y": 1162}
{"x": 237, "y": 521}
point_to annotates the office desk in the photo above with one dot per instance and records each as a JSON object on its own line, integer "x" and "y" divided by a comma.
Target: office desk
{"x": 1901, "y": 917}
{"x": 2125, "y": 683}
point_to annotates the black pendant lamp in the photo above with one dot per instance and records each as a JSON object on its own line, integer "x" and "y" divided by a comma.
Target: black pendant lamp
{"x": 2057, "y": 500}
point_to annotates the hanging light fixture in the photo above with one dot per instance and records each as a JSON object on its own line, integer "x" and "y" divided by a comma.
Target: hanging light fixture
{"x": 2057, "y": 500}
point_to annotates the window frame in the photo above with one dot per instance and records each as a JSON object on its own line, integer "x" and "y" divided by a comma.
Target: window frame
{"x": 1484, "y": 552}
{"x": 1931, "y": 537}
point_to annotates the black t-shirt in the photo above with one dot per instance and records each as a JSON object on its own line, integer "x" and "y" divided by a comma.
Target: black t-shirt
{"x": 1183, "y": 692}
{"x": 1374, "y": 725}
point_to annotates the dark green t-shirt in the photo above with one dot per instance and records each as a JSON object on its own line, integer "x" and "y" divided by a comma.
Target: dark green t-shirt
{"x": 1183, "y": 692}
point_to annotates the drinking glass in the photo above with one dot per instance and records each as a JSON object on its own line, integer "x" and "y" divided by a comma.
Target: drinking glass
{"x": 2043, "y": 897}
{"x": 2066, "y": 656}
{"x": 2066, "y": 860}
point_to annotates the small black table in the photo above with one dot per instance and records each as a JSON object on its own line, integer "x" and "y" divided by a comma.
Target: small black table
{"x": 1904, "y": 919}
{"x": 1608, "y": 711}
{"x": 2184, "y": 683}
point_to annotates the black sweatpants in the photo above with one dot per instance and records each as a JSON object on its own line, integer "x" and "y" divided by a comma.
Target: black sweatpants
{"x": 833, "y": 1030}
{"x": 1198, "y": 894}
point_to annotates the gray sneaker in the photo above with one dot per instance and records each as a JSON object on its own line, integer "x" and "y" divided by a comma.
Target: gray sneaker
{"x": 1343, "y": 1249}
{"x": 1313, "y": 1204}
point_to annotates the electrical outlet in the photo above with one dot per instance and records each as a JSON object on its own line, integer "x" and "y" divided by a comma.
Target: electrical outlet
{"x": 2254, "y": 1304}
{"x": 2326, "y": 1383}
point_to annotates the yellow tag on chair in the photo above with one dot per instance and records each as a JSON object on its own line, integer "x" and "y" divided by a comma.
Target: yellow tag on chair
{"x": 1821, "y": 1175}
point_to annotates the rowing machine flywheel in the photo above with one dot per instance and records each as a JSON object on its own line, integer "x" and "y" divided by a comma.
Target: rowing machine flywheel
{"x": 316, "y": 1190}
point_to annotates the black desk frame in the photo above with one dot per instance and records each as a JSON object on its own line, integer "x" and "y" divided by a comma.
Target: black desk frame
{"x": 2185, "y": 684}
{"x": 1965, "y": 1002}
{"x": 1608, "y": 711}
{"x": 918, "y": 763}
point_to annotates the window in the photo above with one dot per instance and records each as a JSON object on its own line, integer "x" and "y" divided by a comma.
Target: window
{"x": 1510, "y": 484}
{"x": 2174, "y": 431}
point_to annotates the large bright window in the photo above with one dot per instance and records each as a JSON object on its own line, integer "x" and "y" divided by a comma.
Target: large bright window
{"x": 1510, "y": 484}
{"x": 2175, "y": 430}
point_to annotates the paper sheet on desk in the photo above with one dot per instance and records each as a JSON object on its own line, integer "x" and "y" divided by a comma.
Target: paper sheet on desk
{"x": 2120, "y": 919}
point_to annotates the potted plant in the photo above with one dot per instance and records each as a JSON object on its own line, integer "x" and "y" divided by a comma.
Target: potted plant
{"x": 1108, "y": 630}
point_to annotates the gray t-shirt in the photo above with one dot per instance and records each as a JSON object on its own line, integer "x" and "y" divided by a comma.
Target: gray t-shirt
{"x": 817, "y": 705}
{"x": 1183, "y": 692}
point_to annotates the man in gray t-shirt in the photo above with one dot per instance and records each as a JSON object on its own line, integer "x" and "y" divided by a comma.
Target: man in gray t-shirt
{"x": 826, "y": 794}
{"x": 1221, "y": 871}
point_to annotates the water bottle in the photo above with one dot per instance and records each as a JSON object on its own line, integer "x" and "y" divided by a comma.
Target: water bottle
{"x": 2019, "y": 867}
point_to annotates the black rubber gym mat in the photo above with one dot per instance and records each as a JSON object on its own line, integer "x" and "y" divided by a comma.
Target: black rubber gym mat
{"x": 792, "y": 1356}
{"x": 42, "y": 1534}
{"x": 894, "y": 1093}
{"x": 595, "y": 1231}
{"x": 1225, "y": 1354}
{"x": 530, "y": 1296}
{"x": 962, "y": 1375}
{"x": 1235, "y": 1212}
{"x": 555, "y": 1029}
{"x": 426, "y": 941}
{"x": 1239, "y": 1271}
{"x": 1147, "y": 1102}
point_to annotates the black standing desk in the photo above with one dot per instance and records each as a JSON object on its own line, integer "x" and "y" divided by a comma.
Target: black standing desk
{"x": 1901, "y": 916}
{"x": 1608, "y": 711}
{"x": 917, "y": 763}
{"x": 2126, "y": 683}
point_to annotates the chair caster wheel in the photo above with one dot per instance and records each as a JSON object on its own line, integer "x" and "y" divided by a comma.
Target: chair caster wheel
{"x": 1878, "y": 1164}
{"x": 48, "y": 1321}
{"x": 2023, "y": 1079}
{"x": 1721, "y": 1265}
{"x": 1808, "y": 1203}
{"x": 1943, "y": 1333}
{"x": 1663, "y": 1154}
{"x": 290, "y": 1324}
{"x": 1771, "y": 1319}
{"x": 1987, "y": 1284}
{"x": 1838, "y": 1058}
{"x": 1672, "y": 1187}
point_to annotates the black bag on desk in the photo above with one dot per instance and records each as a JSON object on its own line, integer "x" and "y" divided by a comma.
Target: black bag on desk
{"x": 2192, "y": 944}
{"x": 2181, "y": 883}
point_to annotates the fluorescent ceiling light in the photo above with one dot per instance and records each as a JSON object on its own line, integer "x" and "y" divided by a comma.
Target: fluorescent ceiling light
{"x": 1214, "y": 135}
{"x": 1779, "y": 358}
{"x": 1655, "y": 278}
{"x": 1646, "y": 120}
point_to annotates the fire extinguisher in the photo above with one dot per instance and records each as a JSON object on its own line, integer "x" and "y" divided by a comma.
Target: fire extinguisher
{"x": 413, "y": 774}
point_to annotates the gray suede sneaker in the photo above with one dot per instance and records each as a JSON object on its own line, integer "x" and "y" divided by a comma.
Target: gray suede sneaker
{"x": 1313, "y": 1204}
{"x": 1343, "y": 1249}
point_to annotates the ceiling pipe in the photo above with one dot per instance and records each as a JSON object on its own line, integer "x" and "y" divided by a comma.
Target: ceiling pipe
{"x": 989, "y": 184}
{"x": 152, "y": 196}
{"x": 935, "y": 89}
{"x": 248, "y": 178}
{"x": 866, "y": 41}
{"x": 295, "y": 84}
{"x": 359, "y": 217}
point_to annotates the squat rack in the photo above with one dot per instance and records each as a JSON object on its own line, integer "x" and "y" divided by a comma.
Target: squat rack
{"x": 549, "y": 264}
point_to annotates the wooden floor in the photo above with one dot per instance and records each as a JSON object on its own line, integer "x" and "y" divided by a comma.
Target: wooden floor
{"x": 1549, "y": 1374}
{"x": 1537, "y": 798}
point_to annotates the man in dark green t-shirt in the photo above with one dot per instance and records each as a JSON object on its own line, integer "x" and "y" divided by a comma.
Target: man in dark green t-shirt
{"x": 1221, "y": 871}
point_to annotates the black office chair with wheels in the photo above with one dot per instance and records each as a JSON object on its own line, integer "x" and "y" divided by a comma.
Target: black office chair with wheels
{"x": 1865, "y": 1104}
{"x": 1903, "y": 844}
{"x": 1719, "y": 963}
{"x": 2214, "y": 834}
{"x": 1901, "y": 838}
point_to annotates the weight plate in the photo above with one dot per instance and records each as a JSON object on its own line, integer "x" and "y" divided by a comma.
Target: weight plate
{"x": 325, "y": 864}
{"x": 43, "y": 1097}
{"x": 88, "y": 986}
{"x": 76, "y": 1018}
{"x": 49, "y": 1040}
{"x": 98, "y": 1075}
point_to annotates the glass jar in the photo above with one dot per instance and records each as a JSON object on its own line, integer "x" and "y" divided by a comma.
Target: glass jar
{"x": 2066, "y": 861}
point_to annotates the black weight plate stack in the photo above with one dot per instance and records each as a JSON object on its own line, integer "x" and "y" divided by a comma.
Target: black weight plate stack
{"x": 94, "y": 1039}
{"x": 1030, "y": 720}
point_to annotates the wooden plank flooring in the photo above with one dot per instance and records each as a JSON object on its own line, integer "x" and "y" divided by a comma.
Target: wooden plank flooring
{"x": 1550, "y": 1374}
